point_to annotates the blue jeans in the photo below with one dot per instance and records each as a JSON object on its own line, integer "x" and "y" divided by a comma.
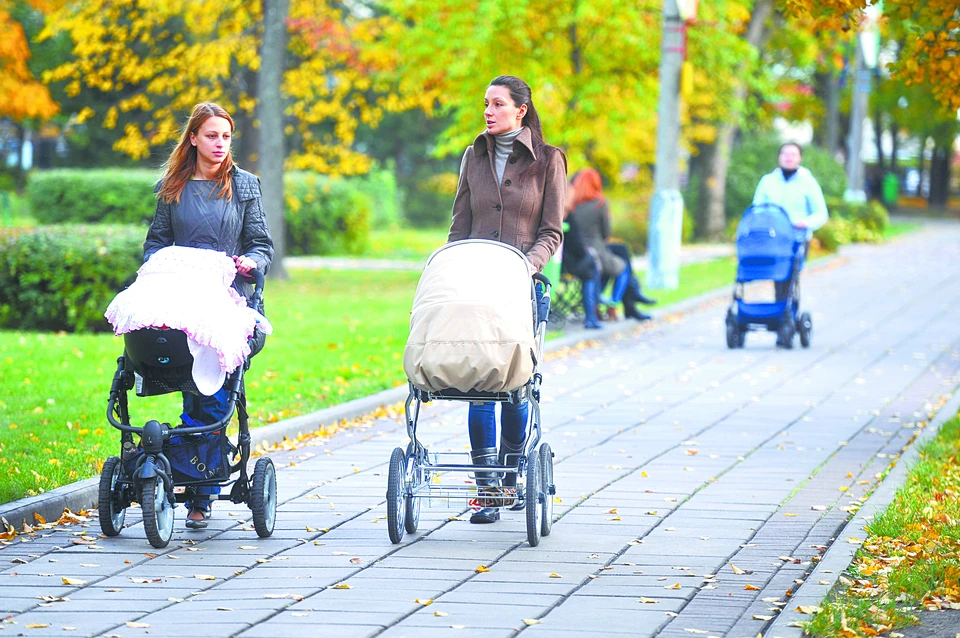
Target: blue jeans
{"x": 207, "y": 410}
{"x": 482, "y": 422}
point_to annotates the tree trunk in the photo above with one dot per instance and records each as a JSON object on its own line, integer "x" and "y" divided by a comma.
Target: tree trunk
{"x": 939, "y": 176}
{"x": 247, "y": 143}
{"x": 894, "y": 144}
{"x": 711, "y": 214}
{"x": 878, "y": 136}
{"x": 923, "y": 150}
{"x": 711, "y": 220}
{"x": 270, "y": 110}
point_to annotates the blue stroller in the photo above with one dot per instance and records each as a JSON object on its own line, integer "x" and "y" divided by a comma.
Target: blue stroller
{"x": 769, "y": 248}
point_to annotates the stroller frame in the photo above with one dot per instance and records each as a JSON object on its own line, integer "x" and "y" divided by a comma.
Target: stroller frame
{"x": 412, "y": 471}
{"x": 782, "y": 316}
{"x": 152, "y": 481}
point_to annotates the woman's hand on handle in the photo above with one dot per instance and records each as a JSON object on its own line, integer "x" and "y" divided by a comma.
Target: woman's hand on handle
{"x": 244, "y": 264}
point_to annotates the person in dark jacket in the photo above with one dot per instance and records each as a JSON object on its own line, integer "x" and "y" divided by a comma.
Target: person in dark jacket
{"x": 205, "y": 201}
{"x": 581, "y": 262}
{"x": 592, "y": 215}
{"x": 511, "y": 189}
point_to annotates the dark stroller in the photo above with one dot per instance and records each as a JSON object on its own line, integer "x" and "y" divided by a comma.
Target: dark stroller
{"x": 158, "y": 361}
{"x": 769, "y": 248}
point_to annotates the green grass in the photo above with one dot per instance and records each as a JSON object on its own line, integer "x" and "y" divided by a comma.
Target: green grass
{"x": 696, "y": 279}
{"x": 405, "y": 243}
{"x": 912, "y": 553}
{"x": 15, "y": 211}
{"x": 337, "y": 336}
{"x": 895, "y": 229}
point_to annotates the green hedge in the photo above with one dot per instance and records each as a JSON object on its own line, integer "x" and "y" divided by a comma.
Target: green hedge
{"x": 323, "y": 215}
{"x": 110, "y": 195}
{"x": 63, "y": 277}
{"x": 326, "y": 216}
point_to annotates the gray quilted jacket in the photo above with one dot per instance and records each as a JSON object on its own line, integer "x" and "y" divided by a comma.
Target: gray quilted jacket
{"x": 244, "y": 230}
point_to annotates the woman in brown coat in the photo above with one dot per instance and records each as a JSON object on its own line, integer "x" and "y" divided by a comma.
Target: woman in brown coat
{"x": 511, "y": 189}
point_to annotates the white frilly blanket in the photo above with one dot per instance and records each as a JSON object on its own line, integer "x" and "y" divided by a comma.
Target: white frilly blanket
{"x": 190, "y": 289}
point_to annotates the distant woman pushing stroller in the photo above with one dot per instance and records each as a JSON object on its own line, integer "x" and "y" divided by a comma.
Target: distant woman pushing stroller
{"x": 511, "y": 190}
{"x": 205, "y": 201}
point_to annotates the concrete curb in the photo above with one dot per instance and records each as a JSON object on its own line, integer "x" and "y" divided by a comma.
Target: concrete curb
{"x": 83, "y": 494}
{"x": 840, "y": 554}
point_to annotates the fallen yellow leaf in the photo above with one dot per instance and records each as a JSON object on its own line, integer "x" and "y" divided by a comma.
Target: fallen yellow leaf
{"x": 644, "y": 599}
{"x": 204, "y": 577}
{"x": 759, "y": 617}
{"x": 73, "y": 581}
{"x": 808, "y": 609}
{"x": 555, "y": 575}
{"x": 423, "y": 602}
{"x": 37, "y": 625}
{"x": 482, "y": 569}
{"x": 750, "y": 587}
{"x": 530, "y": 621}
{"x": 441, "y": 614}
{"x": 137, "y": 625}
{"x": 342, "y": 586}
{"x": 737, "y": 570}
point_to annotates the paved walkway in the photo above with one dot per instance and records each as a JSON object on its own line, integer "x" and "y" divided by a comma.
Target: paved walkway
{"x": 675, "y": 459}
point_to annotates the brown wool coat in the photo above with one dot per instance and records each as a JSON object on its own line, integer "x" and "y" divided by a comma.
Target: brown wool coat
{"x": 526, "y": 210}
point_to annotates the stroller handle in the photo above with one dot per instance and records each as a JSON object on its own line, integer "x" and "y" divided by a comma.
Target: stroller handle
{"x": 257, "y": 275}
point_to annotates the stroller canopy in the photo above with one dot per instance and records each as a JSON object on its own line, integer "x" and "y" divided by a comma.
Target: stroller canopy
{"x": 472, "y": 324}
{"x": 767, "y": 243}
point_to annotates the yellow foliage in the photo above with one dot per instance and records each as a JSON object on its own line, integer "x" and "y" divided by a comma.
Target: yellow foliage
{"x": 157, "y": 58}
{"x": 23, "y": 95}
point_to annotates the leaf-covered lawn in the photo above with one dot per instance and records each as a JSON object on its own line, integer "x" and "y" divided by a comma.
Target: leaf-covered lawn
{"x": 911, "y": 560}
{"x": 338, "y": 336}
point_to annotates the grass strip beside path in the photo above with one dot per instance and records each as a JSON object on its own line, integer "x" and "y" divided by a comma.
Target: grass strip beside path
{"x": 911, "y": 560}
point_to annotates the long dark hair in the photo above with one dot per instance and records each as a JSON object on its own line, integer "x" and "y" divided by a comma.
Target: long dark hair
{"x": 520, "y": 94}
{"x": 182, "y": 162}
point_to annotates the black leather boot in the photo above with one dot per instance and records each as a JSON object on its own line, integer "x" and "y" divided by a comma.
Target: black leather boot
{"x": 633, "y": 288}
{"x": 510, "y": 455}
{"x": 630, "y": 310}
{"x": 487, "y": 486}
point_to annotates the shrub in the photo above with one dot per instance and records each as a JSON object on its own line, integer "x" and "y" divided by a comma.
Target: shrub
{"x": 757, "y": 156}
{"x": 110, "y": 195}
{"x": 325, "y": 216}
{"x": 429, "y": 203}
{"x": 852, "y": 223}
{"x": 381, "y": 187}
{"x": 63, "y": 277}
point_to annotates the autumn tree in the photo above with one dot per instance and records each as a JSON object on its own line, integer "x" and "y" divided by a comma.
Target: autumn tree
{"x": 24, "y": 95}
{"x": 592, "y": 66}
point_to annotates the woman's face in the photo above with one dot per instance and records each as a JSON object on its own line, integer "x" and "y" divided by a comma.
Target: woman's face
{"x": 212, "y": 140}
{"x": 500, "y": 113}
{"x": 789, "y": 157}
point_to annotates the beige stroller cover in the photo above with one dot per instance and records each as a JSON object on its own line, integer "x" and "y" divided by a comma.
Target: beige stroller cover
{"x": 472, "y": 324}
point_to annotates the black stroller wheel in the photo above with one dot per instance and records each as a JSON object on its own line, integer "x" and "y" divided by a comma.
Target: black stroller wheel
{"x": 411, "y": 511}
{"x": 157, "y": 511}
{"x": 733, "y": 332}
{"x": 533, "y": 478}
{"x": 805, "y": 329}
{"x": 111, "y": 506}
{"x": 548, "y": 489}
{"x": 396, "y": 509}
{"x": 263, "y": 497}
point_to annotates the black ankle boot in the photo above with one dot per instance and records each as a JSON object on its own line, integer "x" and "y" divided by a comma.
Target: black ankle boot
{"x": 510, "y": 455}
{"x": 633, "y": 291}
{"x": 486, "y": 456}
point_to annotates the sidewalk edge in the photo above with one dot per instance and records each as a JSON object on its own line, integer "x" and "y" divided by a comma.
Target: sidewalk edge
{"x": 840, "y": 554}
